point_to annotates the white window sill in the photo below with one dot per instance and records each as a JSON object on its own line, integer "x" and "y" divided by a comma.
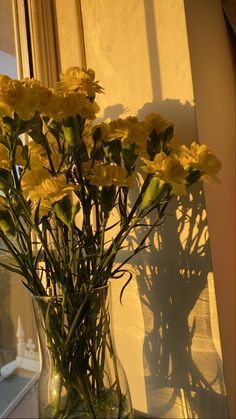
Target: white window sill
{"x": 18, "y": 395}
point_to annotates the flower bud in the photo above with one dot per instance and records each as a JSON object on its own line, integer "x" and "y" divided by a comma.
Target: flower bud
{"x": 152, "y": 193}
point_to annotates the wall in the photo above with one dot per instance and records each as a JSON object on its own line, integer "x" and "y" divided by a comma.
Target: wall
{"x": 212, "y": 49}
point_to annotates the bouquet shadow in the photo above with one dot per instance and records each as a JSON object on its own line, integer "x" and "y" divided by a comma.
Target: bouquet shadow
{"x": 182, "y": 355}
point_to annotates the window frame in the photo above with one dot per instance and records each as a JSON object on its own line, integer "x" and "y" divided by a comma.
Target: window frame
{"x": 35, "y": 45}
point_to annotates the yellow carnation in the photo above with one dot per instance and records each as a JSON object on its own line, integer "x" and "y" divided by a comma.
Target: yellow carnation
{"x": 23, "y": 96}
{"x": 39, "y": 185}
{"x": 76, "y": 79}
{"x": 70, "y": 104}
{"x": 199, "y": 157}
{"x": 6, "y": 222}
{"x": 31, "y": 179}
{"x": 107, "y": 175}
{"x": 3, "y": 204}
{"x": 52, "y": 188}
{"x": 4, "y": 158}
{"x": 169, "y": 170}
{"x": 128, "y": 131}
{"x": 39, "y": 156}
{"x": 5, "y": 161}
{"x": 156, "y": 122}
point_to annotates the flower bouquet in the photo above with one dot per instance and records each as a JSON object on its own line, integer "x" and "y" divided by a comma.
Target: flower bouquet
{"x": 60, "y": 190}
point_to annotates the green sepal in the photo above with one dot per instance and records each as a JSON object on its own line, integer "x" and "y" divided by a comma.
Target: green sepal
{"x": 5, "y": 179}
{"x": 70, "y": 131}
{"x": 38, "y": 137}
{"x": 8, "y": 122}
{"x": 108, "y": 194}
{"x": 63, "y": 210}
{"x": 114, "y": 152}
{"x": 193, "y": 176}
{"x": 7, "y": 224}
{"x": 129, "y": 157}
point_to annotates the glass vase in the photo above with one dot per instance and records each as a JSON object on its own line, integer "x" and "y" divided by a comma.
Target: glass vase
{"x": 81, "y": 376}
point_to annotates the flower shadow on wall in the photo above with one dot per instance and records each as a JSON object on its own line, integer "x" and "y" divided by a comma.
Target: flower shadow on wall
{"x": 183, "y": 369}
{"x": 182, "y": 356}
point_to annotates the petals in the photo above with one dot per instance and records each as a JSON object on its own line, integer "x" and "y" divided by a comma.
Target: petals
{"x": 76, "y": 79}
{"x": 169, "y": 169}
{"x": 107, "y": 175}
{"x": 199, "y": 157}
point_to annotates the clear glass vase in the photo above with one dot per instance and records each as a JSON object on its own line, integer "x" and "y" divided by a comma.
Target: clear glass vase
{"x": 81, "y": 376}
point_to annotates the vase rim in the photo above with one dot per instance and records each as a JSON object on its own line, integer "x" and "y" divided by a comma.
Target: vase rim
{"x": 49, "y": 297}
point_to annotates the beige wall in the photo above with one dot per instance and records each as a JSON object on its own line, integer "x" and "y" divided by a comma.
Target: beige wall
{"x": 213, "y": 69}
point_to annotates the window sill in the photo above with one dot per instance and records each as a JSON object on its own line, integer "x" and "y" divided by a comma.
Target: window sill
{"x": 16, "y": 400}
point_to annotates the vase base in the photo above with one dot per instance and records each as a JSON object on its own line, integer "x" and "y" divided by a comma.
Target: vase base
{"x": 109, "y": 413}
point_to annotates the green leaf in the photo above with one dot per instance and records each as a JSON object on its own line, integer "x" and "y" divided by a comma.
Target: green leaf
{"x": 124, "y": 286}
{"x": 37, "y": 214}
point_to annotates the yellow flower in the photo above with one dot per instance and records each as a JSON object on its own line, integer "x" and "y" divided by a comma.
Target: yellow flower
{"x": 169, "y": 170}
{"x": 68, "y": 104}
{"x": 154, "y": 121}
{"x": 4, "y": 158}
{"x": 3, "y": 204}
{"x": 5, "y": 108}
{"x": 31, "y": 179}
{"x": 128, "y": 131}
{"x": 39, "y": 156}
{"x": 51, "y": 188}
{"x": 5, "y": 161}
{"x": 23, "y": 96}
{"x": 39, "y": 185}
{"x": 76, "y": 79}
{"x": 107, "y": 175}
{"x": 35, "y": 98}
{"x": 6, "y": 222}
{"x": 199, "y": 157}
